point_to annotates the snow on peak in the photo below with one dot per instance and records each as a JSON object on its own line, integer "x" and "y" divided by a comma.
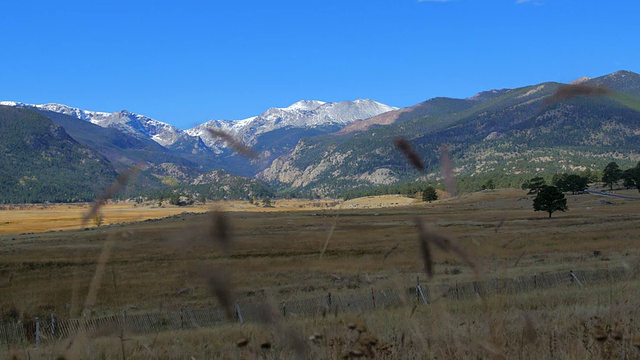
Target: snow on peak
{"x": 91, "y": 116}
{"x": 60, "y": 108}
{"x": 305, "y": 105}
{"x": 138, "y": 125}
{"x": 11, "y": 103}
{"x": 304, "y": 113}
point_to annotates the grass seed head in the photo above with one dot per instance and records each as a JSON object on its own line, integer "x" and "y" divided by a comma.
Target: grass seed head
{"x": 569, "y": 91}
{"x": 529, "y": 332}
{"x": 361, "y": 328}
{"x": 444, "y": 243}
{"x": 219, "y": 230}
{"x": 447, "y": 171}
{"x": 425, "y": 250}
{"x": 268, "y": 314}
{"x": 407, "y": 150}
{"x": 108, "y": 193}
{"x": 599, "y": 333}
{"x": 368, "y": 340}
{"x": 295, "y": 341}
{"x": 242, "y": 342}
{"x": 219, "y": 283}
{"x": 236, "y": 145}
{"x": 617, "y": 335}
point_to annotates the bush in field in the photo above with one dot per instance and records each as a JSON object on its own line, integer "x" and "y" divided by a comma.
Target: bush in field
{"x": 98, "y": 219}
{"x": 429, "y": 194}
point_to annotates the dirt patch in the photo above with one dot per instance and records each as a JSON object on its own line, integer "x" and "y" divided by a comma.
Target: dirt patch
{"x": 376, "y": 202}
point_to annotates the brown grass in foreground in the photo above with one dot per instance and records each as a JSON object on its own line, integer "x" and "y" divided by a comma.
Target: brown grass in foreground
{"x": 565, "y": 323}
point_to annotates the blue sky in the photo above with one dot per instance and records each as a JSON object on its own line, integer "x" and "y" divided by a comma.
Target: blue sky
{"x": 191, "y": 61}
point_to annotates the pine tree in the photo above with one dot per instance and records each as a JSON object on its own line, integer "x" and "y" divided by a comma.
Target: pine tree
{"x": 550, "y": 199}
{"x": 534, "y": 185}
{"x": 611, "y": 174}
{"x": 429, "y": 194}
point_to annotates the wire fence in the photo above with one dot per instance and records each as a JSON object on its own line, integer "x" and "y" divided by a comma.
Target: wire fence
{"x": 50, "y": 328}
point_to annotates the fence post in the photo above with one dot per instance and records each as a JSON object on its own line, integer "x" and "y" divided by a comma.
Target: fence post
{"x": 6, "y": 326}
{"x": 53, "y": 324}
{"x": 124, "y": 322}
{"x": 284, "y": 309}
{"x": 574, "y": 277}
{"x": 239, "y": 314}
{"x": 181, "y": 318}
{"x": 37, "y": 332}
{"x": 373, "y": 298}
{"x": 329, "y": 300}
{"x": 419, "y": 293}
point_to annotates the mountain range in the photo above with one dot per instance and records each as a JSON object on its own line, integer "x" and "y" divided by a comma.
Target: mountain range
{"x": 273, "y": 132}
{"x": 505, "y": 135}
{"x": 326, "y": 148}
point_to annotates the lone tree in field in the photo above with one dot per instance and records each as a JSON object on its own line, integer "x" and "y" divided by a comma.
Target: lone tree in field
{"x": 611, "y": 174}
{"x": 429, "y": 194}
{"x": 550, "y": 199}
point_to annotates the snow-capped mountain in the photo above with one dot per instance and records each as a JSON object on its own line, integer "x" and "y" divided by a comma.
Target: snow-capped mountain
{"x": 160, "y": 132}
{"x": 91, "y": 116}
{"x": 138, "y": 125}
{"x": 302, "y": 114}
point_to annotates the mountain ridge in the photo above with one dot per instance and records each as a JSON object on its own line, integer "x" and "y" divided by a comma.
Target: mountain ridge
{"x": 303, "y": 113}
{"x": 325, "y": 148}
{"x": 517, "y": 126}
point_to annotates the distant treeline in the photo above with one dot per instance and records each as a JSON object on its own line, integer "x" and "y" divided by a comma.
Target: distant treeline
{"x": 572, "y": 182}
{"x": 395, "y": 189}
{"x": 236, "y": 190}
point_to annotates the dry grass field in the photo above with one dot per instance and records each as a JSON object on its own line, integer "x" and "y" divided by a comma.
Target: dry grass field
{"x": 297, "y": 250}
{"x": 52, "y": 217}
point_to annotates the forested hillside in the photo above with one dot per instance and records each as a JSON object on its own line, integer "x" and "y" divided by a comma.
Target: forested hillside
{"x": 40, "y": 162}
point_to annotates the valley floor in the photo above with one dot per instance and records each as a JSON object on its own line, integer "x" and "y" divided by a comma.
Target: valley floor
{"x": 289, "y": 253}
